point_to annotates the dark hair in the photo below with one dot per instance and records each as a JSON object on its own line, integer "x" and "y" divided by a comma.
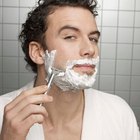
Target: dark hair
{"x": 36, "y": 24}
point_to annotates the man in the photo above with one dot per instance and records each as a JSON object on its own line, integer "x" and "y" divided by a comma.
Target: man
{"x": 71, "y": 110}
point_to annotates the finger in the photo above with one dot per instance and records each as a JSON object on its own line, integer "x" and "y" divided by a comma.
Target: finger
{"x": 33, "y": 91}
{"x": 31, "y": 120}
{"x": 37, "y": 118}
{"x": 29, "y": 110}
{"x": 27, "y": 102}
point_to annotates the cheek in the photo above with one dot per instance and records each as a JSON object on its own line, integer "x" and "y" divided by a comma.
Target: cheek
{"x": 65, "y": 53}
{"x": 62, "y": 56}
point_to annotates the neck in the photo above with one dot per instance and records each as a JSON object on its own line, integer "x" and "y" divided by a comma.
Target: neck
{"x": 67, "y": 105}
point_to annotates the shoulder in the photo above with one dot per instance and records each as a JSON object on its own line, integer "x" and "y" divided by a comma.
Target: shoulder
{"x": 111, "y": 103}
{"x": 109, "y": 100}
{"x": 115, "y": 110}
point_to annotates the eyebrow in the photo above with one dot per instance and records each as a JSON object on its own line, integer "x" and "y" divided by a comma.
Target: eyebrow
{"x": 77, "y": 30}
{"x": 68, "y": 27}
{"x": 95, "y": 32}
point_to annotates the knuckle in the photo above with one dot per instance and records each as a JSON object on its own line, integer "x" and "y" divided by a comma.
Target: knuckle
{"x": 24, "y": 93}
{"x": 28, "y": 99}
{"x": 7, "y": 115}
{"x": 6, "y": 108}
{"x": 31, "y": 107}
{"x": 14, "y": 125}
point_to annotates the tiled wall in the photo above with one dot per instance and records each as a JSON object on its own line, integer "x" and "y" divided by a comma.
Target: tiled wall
{"x": 119, "y": 23}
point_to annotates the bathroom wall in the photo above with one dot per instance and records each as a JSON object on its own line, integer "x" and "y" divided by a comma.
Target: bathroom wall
{"x": 119, "y": 68}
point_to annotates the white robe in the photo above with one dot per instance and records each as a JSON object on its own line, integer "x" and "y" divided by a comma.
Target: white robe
{"x": 106, "y": 117}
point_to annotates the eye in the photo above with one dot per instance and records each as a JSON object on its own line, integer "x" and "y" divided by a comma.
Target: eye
{"x": 70, "y": 37}
{"x": 93, "y": 39}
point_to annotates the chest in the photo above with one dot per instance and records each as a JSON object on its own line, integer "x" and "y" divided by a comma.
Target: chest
{"x": 68, "y": 131}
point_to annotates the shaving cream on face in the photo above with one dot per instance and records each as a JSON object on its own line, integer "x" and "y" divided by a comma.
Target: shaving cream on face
{"x": 71, "y": 80}
{"x": 49, "y": 59}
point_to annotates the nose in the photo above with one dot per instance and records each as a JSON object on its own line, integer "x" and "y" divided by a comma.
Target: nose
{"x": 88, "y": 49}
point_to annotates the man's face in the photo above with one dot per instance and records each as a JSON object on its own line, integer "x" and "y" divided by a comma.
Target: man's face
{"x": 73, "y": 33}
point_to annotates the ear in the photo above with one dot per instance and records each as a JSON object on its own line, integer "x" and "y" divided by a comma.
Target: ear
{"x": 36, "y": 52}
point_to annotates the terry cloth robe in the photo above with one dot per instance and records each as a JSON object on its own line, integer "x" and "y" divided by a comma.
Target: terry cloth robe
{"x": 106, "y": 117}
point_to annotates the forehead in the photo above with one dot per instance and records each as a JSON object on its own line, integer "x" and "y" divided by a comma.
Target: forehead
{"x": 75, "y": 16}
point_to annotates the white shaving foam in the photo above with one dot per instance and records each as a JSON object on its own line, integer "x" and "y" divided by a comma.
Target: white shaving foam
{"x": 49, "y": 62}
{"x": 71, "y": 80}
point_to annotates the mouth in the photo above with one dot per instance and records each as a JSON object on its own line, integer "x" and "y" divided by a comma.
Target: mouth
{"x": 84, "y": 69}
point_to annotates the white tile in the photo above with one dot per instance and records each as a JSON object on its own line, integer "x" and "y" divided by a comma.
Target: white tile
{"x": 136, "y": 50}
{"x": 0, "y": 2}
{"x": 136, "y": 67}
{"x": 110, "y": 4}
{"x": 137, "y": 35}
{"x": 123, "y": 94}
{"x": 135, "y": 83}
{"x": 109, "y": 34}
{"x": 7, "y": 12}
{"x": 126, "y": 19}
{"x": 20, "y": 51}
{"x": 0, "y": 64}
{"x": 10, "y": 32}
{"x": 11, "y": 3}
{"x": 137, "y": 19}
{"x": 107, "y": 67}
{"x": 124, "y": 51}
{"x": 1, "y": 31}
{"x": 125, "y": 35}
{"x": 10, "y": 64}
{"x": 22, "y": 65}
{"x": 126, "y": 4}
{"x": 135, "y": 99}
{"x": 122, "y": 83}
{"x": 99, "y": 18}
{"x": 7, "y": 90}
{"x": 10, "y": 80}
{"x": 10, "y": 48}
{"x": 109, "y": 18}
{"x": 1, "y": 91}
{"x": 137, "y": 4}
{"x": 123, "y": 67}
{"x": 106, "y": 83}
{"x": 137, "y": 113}
{"x": 0, "y": 14}
{"x": 1, "y": 48}
{"x": 27, "y": 3}
{"x": 25, "y": 78}
{"x": 1, "y": 81}
{"x": 99, "y": 4}
{"x": 108, "y": 51}
{"x": 23, "y": 14}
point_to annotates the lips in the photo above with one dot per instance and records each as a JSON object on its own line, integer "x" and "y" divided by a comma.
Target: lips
{"x": 84, "y": 65}
{"x": 84, "y": 68}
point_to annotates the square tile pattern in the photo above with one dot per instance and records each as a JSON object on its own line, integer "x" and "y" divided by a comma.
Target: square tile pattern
{"x": 119, "y": 67}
